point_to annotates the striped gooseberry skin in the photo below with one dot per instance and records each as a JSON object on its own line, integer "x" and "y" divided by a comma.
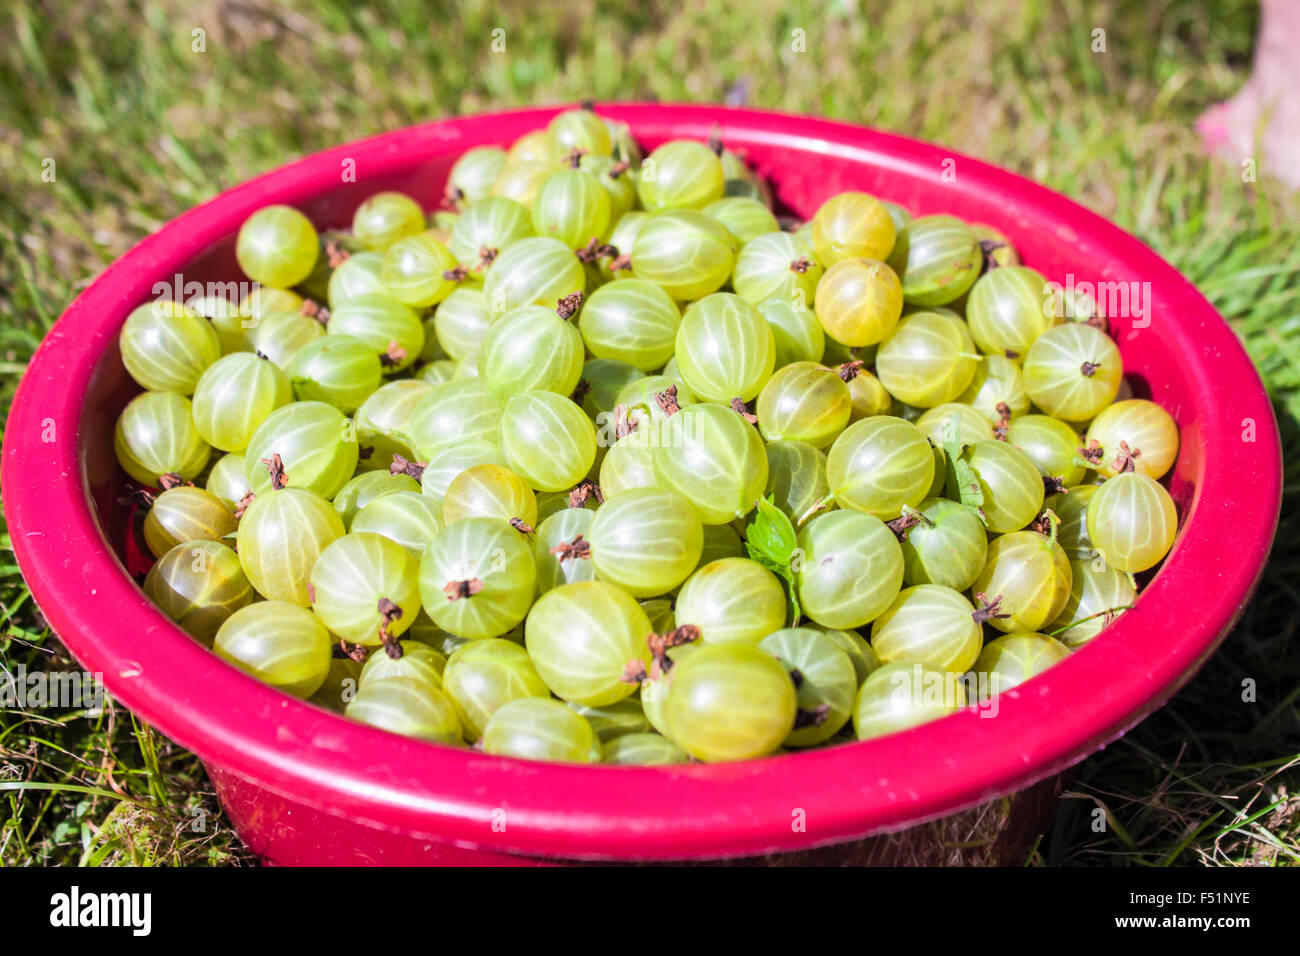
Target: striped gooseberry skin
{"x": 1097, "y": 591}
{"x": 997, "y": 381}
{"x": 407, "y": 706}
{"x": 1012, "y": 659}
{"x": 386, "y": 217}
{"x": 382, "y": 421}
{"x": 928, "y": 623}
{"x": 627, "y": 464}
{"x": 776, "y": 265}
{"x": 405, "y": 517}
{"x": 880, "y": 465}
{"x": 642, "y": 750}
{"x": 680, "y": 174}
{"x": 605, "y": 378}
{"x": 904, "y": 695}
{"x": 804, "y": 402}
{"x": 235, "y": 395}
{"x": 226, "y": 480}
{"x": 279, "y": 335}
{"x": 530, "y": 348}
{"x": 1073, "y": 371}
{"x": 745, "y": 218}
{"x": 166, "y": 346}
{"x": 572, "y": 207}
{"x": 489, "y": 491}
{"x": 725, "y": 349}
{"x": 1029, "y": 574}
{"x": 646, "y": 541}
{"x": 729, "y": 702}
{"x": 264, "y": 300}
{"x": 732, "y": 599}
{"x": 418, "y": 662}
{"x": 654, "y": 691}
{"x": 1003, "y": 256}
{"x": 340, "y": 685}
{"x": 539, "y": 270}
{"x": 461, "y": 322}
{"x": 198, "y": 584}
{"x": 520, "y": 181}
{"x": 954, "y": 421}
{"x": 226, "y": 319}
{"x": 350, "y": 579}
{"x": 1147, "y": 429}
{"x": 859, "y": 301}
{"x": 623, "y": 238}
{"x": 617, "y": 182}
{"x": 1132, "y": 522}
{"x": 581, "y": 637}
{"x": 155, "y": 435}
{"x": 279, "y": 643}
{"x": 279, "y": 539}
{"x": 662, "y": 619}
{"x": 184, "y": 513}
{"x": 336, "y": 369}
{"x": 852, "y": 225}
{"x": 486, "y": 550}
{"x": 859, "y": 652}
{"x": 277, "y": 246}
{"x": 474, "y": 172}
{"x": 1008, "y": 309}
{"x": 712, "y": 457}
{"x": 850, "y": 568}
{"x": 579, "y": 129}
{"x": 488, "y": 225}
{"x": 1010, "y": 481}
{"x": 367, "y": 487}
{"x": 316, "y": 444}
{"x": 535, "y": 728}
{"x": 938, "y": 258}
{"x": 633, "y": 321}
{"x": 686, "y": 253}
{"x": 562, "y": 527}
{"x": 457, "y": 411}
{"x": 451, "y": 459}
{"x": 1071, "y": 511}
{"x": 547, "y": 439}
{"x": 928, "y": 359}
{"x": 1052, "y": 445}
{"x": 483, "y": 676}
{"x": 827, "y": 680}
{"x": 413, "y": 271}
{"x": 389, "y": 327}
{"x": 361, "y": 273}
{"x": 796, "y": 479}
{"x": 642, "y": 399}
{"x": 720, "y": 541}
{"x": 868, "y": 396}
{"x": 947, "y": 547}
{"x": 797, "y": 334}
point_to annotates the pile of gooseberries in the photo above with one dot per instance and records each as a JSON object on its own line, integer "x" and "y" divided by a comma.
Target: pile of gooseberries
{"x": 602, "y": 460}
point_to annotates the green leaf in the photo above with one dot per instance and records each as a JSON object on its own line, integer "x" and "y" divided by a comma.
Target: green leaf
{"x": 962, "y": 484}
{"x": 770, "y": 540}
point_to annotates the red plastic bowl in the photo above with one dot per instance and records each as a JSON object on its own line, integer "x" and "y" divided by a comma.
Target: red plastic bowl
{"x": 303, "y": 785}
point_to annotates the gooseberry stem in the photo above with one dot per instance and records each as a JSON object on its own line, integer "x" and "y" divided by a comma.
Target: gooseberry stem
{"x": 1109, "y": 614}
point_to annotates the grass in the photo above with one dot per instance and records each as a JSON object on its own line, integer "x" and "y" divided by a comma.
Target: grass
{"x": 140, "y": 127}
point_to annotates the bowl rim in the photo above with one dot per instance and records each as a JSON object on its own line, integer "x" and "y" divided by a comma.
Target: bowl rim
{"x": 588, "y": 812}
